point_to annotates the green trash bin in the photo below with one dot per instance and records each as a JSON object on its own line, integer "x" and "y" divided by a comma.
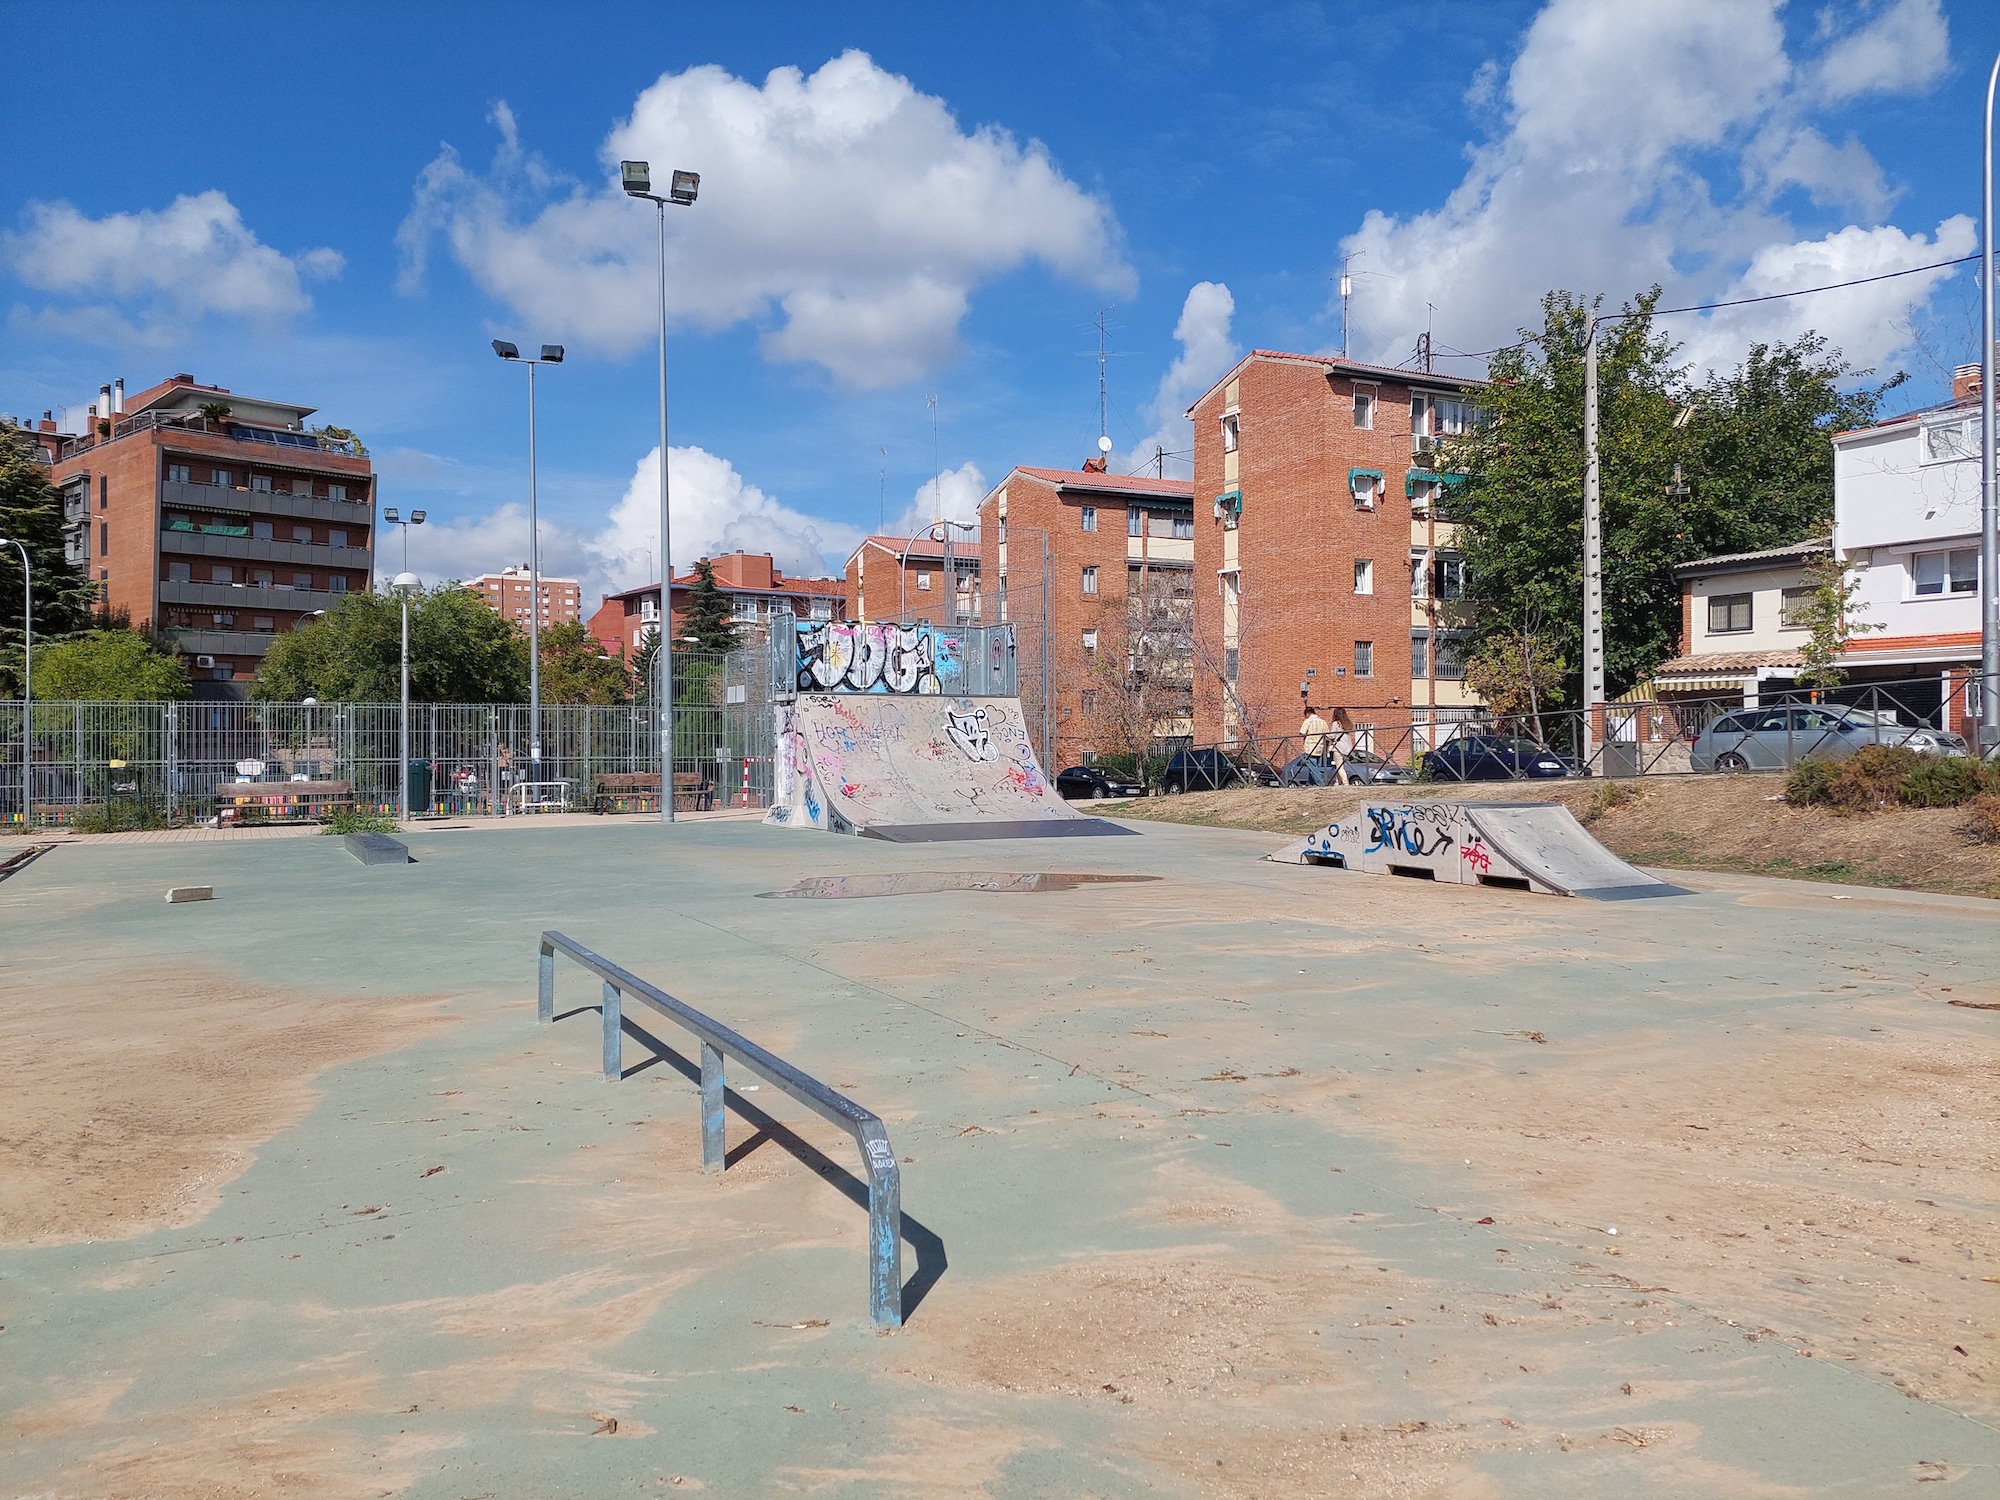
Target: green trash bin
{"x": 420, "y": 788}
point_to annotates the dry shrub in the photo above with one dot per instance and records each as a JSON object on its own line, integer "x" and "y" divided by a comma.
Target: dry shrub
{"x": 1983, "y": 820}
{"x": 1810, "y": 781}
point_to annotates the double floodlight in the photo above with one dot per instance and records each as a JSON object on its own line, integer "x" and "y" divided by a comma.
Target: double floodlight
{"x": 552, "y": 354}
{"x": 395, "y": 517}
{"x": 637, "y": 176}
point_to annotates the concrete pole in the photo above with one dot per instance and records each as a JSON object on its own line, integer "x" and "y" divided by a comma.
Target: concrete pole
{"x": 403, "y": 797}
{"x": 1989, "y": 531}
{"x": 27, "y": 682}
{"x": 1593, "y": 550}
{"x": 534, "y": 600}
{"x": 666, "y": 652}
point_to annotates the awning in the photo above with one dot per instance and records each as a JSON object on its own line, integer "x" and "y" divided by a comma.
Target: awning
{"x": 1735, "y": 683}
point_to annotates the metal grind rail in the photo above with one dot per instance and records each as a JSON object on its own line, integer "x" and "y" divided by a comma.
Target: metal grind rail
{"x": 878, "y": 1158}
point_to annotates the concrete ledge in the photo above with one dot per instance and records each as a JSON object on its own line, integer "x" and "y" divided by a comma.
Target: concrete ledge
{"x": 378, "y": 849}
{"x": 182, "y": 893}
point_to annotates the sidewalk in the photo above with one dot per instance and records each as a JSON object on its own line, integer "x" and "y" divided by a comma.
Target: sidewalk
{"x": 261, "y": 834}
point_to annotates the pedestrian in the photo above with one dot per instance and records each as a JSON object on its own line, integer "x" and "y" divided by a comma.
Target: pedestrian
{"x": 1340, "y": 744}
{"x": 1312, "y": 730}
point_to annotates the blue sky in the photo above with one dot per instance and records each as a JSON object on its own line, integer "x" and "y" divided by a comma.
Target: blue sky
{"x": 342, "y": 206}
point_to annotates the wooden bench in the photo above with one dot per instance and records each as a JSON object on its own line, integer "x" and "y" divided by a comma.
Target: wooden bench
{"x": 693, "y": 792}
{"x": 281, "y": 801}
{"x": 639, "y": 791}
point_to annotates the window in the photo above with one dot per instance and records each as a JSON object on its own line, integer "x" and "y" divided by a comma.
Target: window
{"x": 923, "y": 582}
{"x": 1089, "y": 514}
{"x": 1954, "y": 572}
{"x": 1728, "y": 613}
{"x": 336, "y": 538}
{"x": 223, "y": 619}
{"x": 1090, "y": 640}
{"x": 336, "y": 492}
{"x": 1184, "y": 528}
{"x": 1420, "y": 416}
{"x": 1944, "y": 441}
{"x": 1364, "y": 575}
{"x": 180, "y": 572}
{"x": 302, "y": 486}
{"x": 1364, "y": 406}
{"x": 1232, "y": 432}
{"x": 220, "y": 479}
{"x": 1232, "y": 658}
{"x": 104, "y": 492}
{"x": 177, "y": 473}
{"x": 1365, "y": 485}
{"x": 261, "y": 483}
{"x": 1420, "y": 575}
{"x": 302, "y": 580}
{"x": 264, "y": 624}
{"x": 1090, "y": 580}
{"x": 1420, "y": 654}
{"x": 1448, "y": 576}
{"x": 1449, "y": 416}
{"x": 1448, "y": 658}
{"x": 1089, "y": 701}
{"x": 223, "y": 673}
{"x": 1135, "y": 521}
{"x": 222, "y": 573}
{"x": 336, "y": 583}
{"x": 261, "y": 531}
{"x": 1364, "y": 658}
{"x": 302, "y": 534}
{"x": 822, "y": 609}
{"x": 1795, "y": 608}
{"x": 260, "y": 578}
{"x": 103, "y": 538}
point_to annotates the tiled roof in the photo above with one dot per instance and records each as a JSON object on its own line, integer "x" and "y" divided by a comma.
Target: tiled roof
{"x": 1391, "y": 372}
{"x": 1715, "y": 662}
{"x": 1730, "y": 561}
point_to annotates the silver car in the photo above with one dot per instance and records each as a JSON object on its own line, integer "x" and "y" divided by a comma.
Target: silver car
{"x": 1773, "y": 739}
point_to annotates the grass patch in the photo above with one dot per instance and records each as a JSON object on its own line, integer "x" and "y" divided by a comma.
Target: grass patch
{"x": 345, "y": 821}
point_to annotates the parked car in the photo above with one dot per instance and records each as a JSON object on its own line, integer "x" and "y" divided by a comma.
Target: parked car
{"x": 1363, "y": 769}
{"x": 1199, "y": 771}
{"x": 1773, "y": 739}
{"x": 1094, "y": 785}
{"x": 1494, "y": 757}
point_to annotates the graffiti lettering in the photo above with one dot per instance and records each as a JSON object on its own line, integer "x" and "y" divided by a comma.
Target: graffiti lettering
{"x": 1475, "y": 854}
{"x": 969, "y": 732}
{"x": 1402, "y": 829}
{"x": 840, "y": 656}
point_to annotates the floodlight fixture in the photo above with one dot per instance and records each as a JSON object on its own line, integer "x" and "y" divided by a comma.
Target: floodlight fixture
{"x": 392, "y": 517}
{"x": 637, "y": 177}
{"x": 552, "y": 354}
{"x": 416, "y": 518}
{"x": 505, "y": 350}
{"x": 684, "y": 188}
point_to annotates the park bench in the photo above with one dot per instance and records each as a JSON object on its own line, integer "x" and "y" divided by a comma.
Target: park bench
{"x": 281, "y": 801}
{"x": 639, "y": 791}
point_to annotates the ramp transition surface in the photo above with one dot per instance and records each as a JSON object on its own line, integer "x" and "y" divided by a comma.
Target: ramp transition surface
{"x": 1536, "y": 846}
{"x": 916, "y": 769}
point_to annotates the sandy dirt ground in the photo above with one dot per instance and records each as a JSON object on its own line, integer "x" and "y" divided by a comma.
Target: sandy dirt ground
{"x": 1684, "y": 823}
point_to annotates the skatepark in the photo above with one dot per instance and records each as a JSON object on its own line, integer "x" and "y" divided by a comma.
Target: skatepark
{"x": 1241, "y": 1178}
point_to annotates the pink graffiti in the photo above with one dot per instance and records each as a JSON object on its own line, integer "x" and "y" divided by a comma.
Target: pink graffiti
{"x": 1474, "y": 854}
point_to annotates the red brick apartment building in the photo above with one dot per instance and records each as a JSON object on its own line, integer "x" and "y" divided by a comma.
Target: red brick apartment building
{"x": 903, "y": 578}
{"x": 754, "y": 586}
{"x": 220, "y": 530}
{"x": 1122, "y": 558}
{"x": 1328, "y": 536}
{"x": 507, "y": 594}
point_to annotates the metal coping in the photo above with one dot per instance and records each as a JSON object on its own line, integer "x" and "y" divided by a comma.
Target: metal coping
{"x": 878, "y": 1157}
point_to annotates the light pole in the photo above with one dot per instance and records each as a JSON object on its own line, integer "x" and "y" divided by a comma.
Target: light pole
{"x": 27, "y": 675}
{"x": 682, "y": 189}
{"x": 552, "y": 354}
{"x": 1989, "y": 504}
{"x": 1593, "y": 549}
{"x": 405, "y": 585}
{"x": 396, "y": 520}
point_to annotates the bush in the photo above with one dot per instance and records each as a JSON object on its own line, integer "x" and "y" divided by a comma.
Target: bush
{"x": 345, "y": 821}
{"x": 1810, "y": 781}
{"x": 1944, "y": 783}
{"x": 1984, "y": 822}
{"x": 120, "y": 815}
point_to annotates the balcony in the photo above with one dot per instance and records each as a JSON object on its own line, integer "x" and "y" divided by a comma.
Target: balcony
{"x": 242, "y": 598}
{"x": 258, "y": 549}
{"x": 209, "y": 497}
{"x": 221, "y": 642}
{"x": 191, "y": 421}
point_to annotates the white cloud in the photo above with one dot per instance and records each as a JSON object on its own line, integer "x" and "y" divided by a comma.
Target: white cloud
{"x": 1207, "y": 349}
{"x": 715, "y": 510}
{"x": 1656, "y": 140}
{"x": 147, "y": 276}
{"x": 952, "y": 495}
{"x": 844, "y": 210}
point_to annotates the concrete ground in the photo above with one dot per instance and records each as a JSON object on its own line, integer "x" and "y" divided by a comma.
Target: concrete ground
{"x": 1247, "y": 1180}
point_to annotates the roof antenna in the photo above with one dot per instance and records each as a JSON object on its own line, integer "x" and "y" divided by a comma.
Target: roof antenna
{"x": 1346, "y": 291}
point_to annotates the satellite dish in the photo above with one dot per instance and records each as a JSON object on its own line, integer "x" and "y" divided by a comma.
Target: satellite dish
{"x": 1104, "y": 445}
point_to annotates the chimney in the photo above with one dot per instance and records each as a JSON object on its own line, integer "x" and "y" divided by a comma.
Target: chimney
{"x": 118, "y": 396}
{"x": 1965, "y": 382}
{"x": 48, "y": 423}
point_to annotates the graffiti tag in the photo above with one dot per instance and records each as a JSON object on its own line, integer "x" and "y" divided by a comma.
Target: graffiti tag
{"x": 968, "y": 731}
{"x": 1405, "y": 830}
{"x": 1475, "y": 854}
{"x": 840, "y": 656}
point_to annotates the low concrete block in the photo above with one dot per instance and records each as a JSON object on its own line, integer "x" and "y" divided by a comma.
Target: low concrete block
{"x": 378, "y": 849}
{"x": 182, "y": 893}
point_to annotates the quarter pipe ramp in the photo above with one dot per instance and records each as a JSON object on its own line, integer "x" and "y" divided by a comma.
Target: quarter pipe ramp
{"x": 1534, "y": 846}
{"x": 916, "y": 768}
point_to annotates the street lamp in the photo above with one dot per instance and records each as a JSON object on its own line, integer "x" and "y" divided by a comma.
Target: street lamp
{"x": 682, "y": 187}
{"x": 27, "y": 674}
{"x": 395, "y": 519}
{"x": 552, "y": 354}
{"x": 406, "y": 585}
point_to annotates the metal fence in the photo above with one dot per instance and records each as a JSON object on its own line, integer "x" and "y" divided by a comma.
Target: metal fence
{"x": 168, "y": 759}
{"x": 1652, "y": 738}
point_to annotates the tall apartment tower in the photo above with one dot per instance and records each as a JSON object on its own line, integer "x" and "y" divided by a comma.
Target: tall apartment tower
{"x": 220, "y": 528}
{"x": 1326, "y": 560}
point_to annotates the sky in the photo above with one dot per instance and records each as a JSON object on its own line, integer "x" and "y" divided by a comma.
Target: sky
{"x": 912, "y": 218}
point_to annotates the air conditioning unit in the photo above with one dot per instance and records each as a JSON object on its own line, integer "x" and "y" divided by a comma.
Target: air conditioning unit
{"x": 1421, "y": 449}
{"x": 204, "y": 661}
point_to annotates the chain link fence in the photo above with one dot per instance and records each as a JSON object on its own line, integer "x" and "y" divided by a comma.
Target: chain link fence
{"x": 164, "y": 762}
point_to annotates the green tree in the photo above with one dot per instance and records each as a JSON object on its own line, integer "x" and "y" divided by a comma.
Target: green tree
{"x": 460, "y": 652}
{"x": 710, "y": 614}
{"x": 1831, "y": 620}
{"x": 111, "y": 665}
{"x": 31, "y": 514}
{"x": 576, "y": 670}
{"x": 1752, "y": 468}
{"x": 646, "y": 668}
{"x": 1517, "y": 675}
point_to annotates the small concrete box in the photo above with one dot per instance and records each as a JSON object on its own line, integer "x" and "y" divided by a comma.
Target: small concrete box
{"x": 378, "y": 849}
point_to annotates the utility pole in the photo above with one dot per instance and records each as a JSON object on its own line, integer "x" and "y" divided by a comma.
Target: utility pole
{"x": 1103, "y": 389}
{"x": 1989, "y": 504}
{"x": 1346, "y": 291}
{"x": 1593, "y": 548}
{"x": 1159, "y": 462}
